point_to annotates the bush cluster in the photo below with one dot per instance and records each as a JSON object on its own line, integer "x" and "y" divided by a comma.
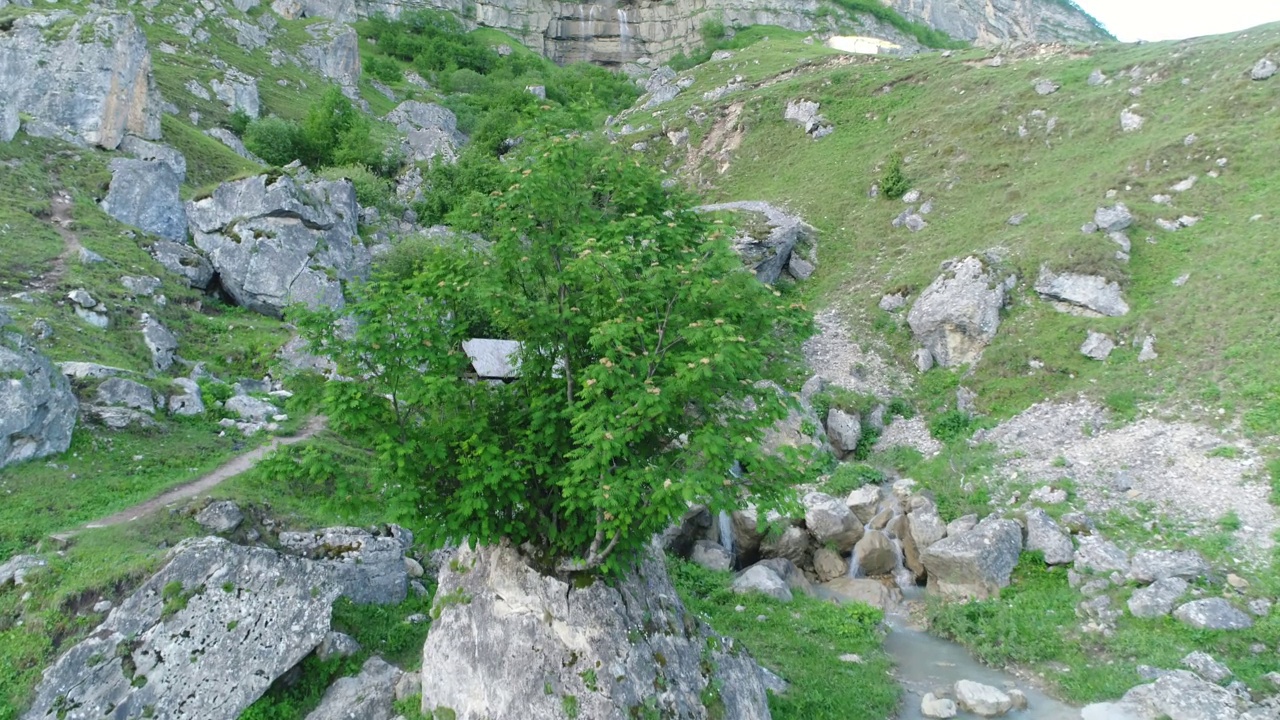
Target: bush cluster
{"x": 334, "y": 132}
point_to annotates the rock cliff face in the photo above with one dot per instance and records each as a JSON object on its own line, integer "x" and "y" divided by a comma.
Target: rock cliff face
{"x": 614, "y": 32}
{"x": 104, "y": 57}
{"x": 990, "y": 22}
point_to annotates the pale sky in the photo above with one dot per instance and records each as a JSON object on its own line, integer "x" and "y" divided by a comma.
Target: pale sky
{"x": 1131, "y": 20}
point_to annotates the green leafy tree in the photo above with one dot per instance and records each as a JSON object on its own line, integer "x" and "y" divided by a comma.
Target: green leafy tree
{"x": 642, "y": 340}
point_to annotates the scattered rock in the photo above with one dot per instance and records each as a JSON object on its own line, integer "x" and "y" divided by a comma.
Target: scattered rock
{"x": 864, "y": 502}
{"x": 1149, "y": 566}
{"x": 932, "y": 706}
{"x": 1097, "y": 346}
{"x": 189, "y": 402}
{"x": 1203, "y": 664}
{"x": 1157, "y": 599}
{"x": 805, "y": 114}
{"x": 982, "y": 700}
{"x": 1017, "y": 219}
{"x": 1048, "y": 537}
{"x": 1100, "y": 556}
{"x": 846, "y": 590}
{"x": 368, "y": 696}
{"x": 336, "y": 644}
{"x": 924, "y": 527}
{"x": 1148, "y": 352}
{"x": 1096, "y": 78}
{"x": 238, "y": 91}
{"x": 711, "y": 555}
{"x": 830, "y": 521}
{"x": 16, "y": 568}
{"x": 769, "y": 256}
{"x": 37, "y": 407}
{"x": 1130, "y": 121}
{"x": 1180, "y": 694}
{"x": 875, "y": 554}
{"x": 958, "y": 315}
{"x": 1113, "y": 219}
{"x": 844, "y": 431}
{"x": 828, "y": 565}
{"x": 1264, "y": 69}
{"x": 1088, "y": 295}
{"x": 976, "y": 563}
{"x": 119, "y": 392}
{"x": 1213, "y": 614}
{"x": 518, "y": 632}
{"x": 1044, "y": 86}
{"x": 183, "y": 261}
{"x": 1184, "y": 185}
{"x": 220, "y": 517}
{"x": 162, "y": 344}
{"x": 431, "y": 131}
{"x": 251, "y": 408}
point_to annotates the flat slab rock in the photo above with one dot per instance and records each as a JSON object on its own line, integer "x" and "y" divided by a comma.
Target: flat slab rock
{"x": 368, "y": 568}
{"x": 201, "y": 640}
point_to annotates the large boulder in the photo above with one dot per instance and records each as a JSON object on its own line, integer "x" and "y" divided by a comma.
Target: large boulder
{"x": 511, "y": 642}
{"x": 431, "y": 131}
{"x": 875, "y": 554}
{"x": 1181, "y": 695}
{"x": 761, "y": 579}
{"x": 1088, "y": 295}
{"x": 274, "y": 242}
{"x": 1149, "y": 566}
{"x": 367, "y": 696}
{"x": 923, "y": 527}
{"x": 37, "y": 408}
{"x": 335, "y": 54}
{"x": 367, "y": 568}
{"x": 958, "y": 315}
{"x": 1048, "y": 537}
{"x": 1098, "y": 555}
{"x": 1158, "y": 598}
{"x": 844, "y": 431}
{"x": 144, "y": 194}
{"x": 1213, "y": 614}
{"x": 167, "y": 651}
{"x": 184, "y": 261}
{"x": 774, "y": 241}
{"x": 830, "y": 521}
{"x": 977, "y": 563}
{"x": 85, "y": 79}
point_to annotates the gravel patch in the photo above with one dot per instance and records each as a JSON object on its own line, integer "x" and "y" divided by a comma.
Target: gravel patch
{"x": 851, "y": 364}
{"x": 1165, "y": 463}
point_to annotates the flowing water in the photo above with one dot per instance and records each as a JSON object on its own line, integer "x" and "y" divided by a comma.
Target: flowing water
{"x": 624, "y": 32}
{"x": 726, "y": 531}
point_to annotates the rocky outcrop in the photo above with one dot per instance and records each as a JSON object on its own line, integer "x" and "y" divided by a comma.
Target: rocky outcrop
{"x": 992, "y": 22}
{"x": 144, "y": 194}
{"x": 367, "y": 696}
{"x": 974, "y": 564}
{"x": 1088, "y": 295}
{"x": 430, "y": 130}
{"x": 200, "y": 640}
{"x": 102, "y": 55}
{"x": 958, "y": 315}
{"x": 511, "y": 642}
{"x": 37, "y": 409}
{"x": 778, "y": 243}
{"x": 274, "y": 242}
{"x": 335, "y": 54}
{"x": 368, "y": 568}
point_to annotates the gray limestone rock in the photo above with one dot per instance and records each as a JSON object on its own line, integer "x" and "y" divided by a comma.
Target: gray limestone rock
{"x": 1148, "y": 566}
{"x": 805, "y": 114}
{"x": 37, "y": 408}
{"x": 144, "y": 193}
{"x": 238, "y": 91}
{"x": 1088, "y": 295}
{"x": 958, "y": 315}
{"x": 10, "y": 122}
{"x": 156, "y": 152}
{"x": 1158, "y": 598}
{"x": 1097, "y": 346}
{"x": 769, "y": 254}
{"x": 102, "y": 55}
{"x": 162, "y": 343}
{"x": 1096, "y": 78}
{"x": 864, "y": 502}
{"x": 711, "y": 555}
{"x": 367, "y": 568}
{"x": 1203, "y": 664}
{"x": 184, "y": 261}
{"x": 336, "y": 644}
{"x": 982, "y": 700}
{"x": 1113, "y": 219}
{"x": 222, "y": 516}
{"x": 166, "y": 650}
{"x": 1264, "y": 69}
{"x": 431, "y": 131}
{"x": 844, "y": 431}
{"x": 1044, "y": 86}
{"x": 932, "y": 706}
{"x": 924, "y": 527}
{"x": 1182, "y": 695}
{"x": 760, "y": 579}
{"x": 830, "y": 521}
{"x": 976, "y": 563}
{"x": 1045, "y": 535}
{"x": 120, "y": 392}
{"x": 367, "y": 696}
{"x": 141, "y": 286}
{"x": 228, "y": 138}
{"x": 15, "y": 569}
{"x": 1131, "y": 121}
{"x": 1100, "y": 556}
{"x": 89, "y": 371}
{"x": 188, "y": 401}
{"x": 875, "y": 554}
{"x": 519, "y": 633}
{"x": 828, "y": 565}
{"x": 1213, "y": 614}
{"x": 335, "y": 54}
{"x": 794, "y": 545}
{"x": 276, "y": 242}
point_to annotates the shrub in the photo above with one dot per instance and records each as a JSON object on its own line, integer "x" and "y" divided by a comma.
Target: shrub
{"x": 239, "y": 121}
{"x": 372, "y": 190}
{"x": 850, "y": 477}
{"x": 894, "y": 183}
{"x": 950, "y": 425}
{"x": 274, "y": 140}
{"x": 384, "y": 68}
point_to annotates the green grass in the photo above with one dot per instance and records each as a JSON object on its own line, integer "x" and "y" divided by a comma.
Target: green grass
{"x": 956, "y": 121}
{"x": 801, "y": 641}
{"x": 1033, "y": 625}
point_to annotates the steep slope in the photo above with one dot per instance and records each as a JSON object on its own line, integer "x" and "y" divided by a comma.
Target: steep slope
{"x": 991, "y": 22}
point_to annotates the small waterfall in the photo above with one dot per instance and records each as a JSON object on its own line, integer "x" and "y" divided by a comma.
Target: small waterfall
{"x": 855, "y": 567}
{"x": 584, "y": 21}
{"x": 624, "y": 33}
{"x": 726, "y": 531}
{"x": 902, "y": 577}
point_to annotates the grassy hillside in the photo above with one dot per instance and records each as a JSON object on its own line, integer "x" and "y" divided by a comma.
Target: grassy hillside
{"x": 985, "y": 146}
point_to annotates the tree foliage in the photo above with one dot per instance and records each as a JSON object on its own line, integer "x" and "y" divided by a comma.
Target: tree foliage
{"x": 642, "y": 342}
{"x": 334, "y": 132}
